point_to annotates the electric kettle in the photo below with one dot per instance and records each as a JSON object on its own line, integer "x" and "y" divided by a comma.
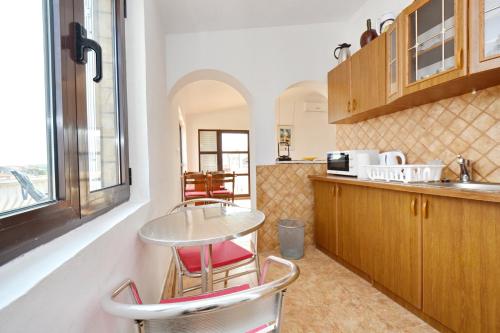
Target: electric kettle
{"x": 344, "y": 52}
{"x": 391, "y": 158}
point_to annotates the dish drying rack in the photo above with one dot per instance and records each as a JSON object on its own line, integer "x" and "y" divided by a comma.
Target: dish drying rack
{"x": 406, "y": 173}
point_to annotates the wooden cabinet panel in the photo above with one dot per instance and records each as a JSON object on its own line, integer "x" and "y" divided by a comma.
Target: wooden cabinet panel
{"x": 325, "y": 230}
{"x": 484, "y": 35}
{"x": 433, "y": 55}
{"x": 356, "y": 220}
{"x": 398, "y": 246}
{"x": 394, "y": 68}
{"x": 368, "y": 89}
{"x": 339, "y": 92}
{"x": 461, "y": 263}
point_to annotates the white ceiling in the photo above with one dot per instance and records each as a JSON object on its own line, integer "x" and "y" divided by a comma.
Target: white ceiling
{"x": 208, "y": 95}
{"x": 207, "y": 15}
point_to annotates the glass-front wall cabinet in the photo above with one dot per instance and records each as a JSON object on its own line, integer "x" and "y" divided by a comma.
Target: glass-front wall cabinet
{"x": 393, "y": 60}
{"x": 485, "y": 34}
{"x": 491, "y": 32}
{"x": 433, "y": 44}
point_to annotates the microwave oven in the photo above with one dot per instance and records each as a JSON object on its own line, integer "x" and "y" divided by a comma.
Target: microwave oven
{"x": 347, "y": 162}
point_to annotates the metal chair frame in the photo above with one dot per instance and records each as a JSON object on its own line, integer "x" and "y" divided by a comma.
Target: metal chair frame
{"x": 236, "y": 312}
{"x": 182, "y": 270}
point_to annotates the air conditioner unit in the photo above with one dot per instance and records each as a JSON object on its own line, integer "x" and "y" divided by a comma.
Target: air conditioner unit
{"x": 315, "y": 107}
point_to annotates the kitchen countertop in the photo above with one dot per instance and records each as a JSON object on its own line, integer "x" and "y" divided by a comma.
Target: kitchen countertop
{"x": 423, "y": 188}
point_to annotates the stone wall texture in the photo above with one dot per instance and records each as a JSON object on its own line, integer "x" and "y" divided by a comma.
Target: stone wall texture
{"x": 285, "y": 192}
{"x": 467, "y": 125}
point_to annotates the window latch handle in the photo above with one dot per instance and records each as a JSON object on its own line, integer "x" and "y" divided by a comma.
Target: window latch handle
{"x": 83, "y": 44}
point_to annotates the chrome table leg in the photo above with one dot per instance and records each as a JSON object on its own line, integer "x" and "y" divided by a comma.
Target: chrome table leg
{"x": 206, "y": 269}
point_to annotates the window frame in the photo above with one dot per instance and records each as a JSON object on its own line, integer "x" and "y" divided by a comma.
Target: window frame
{"x": 97, "y": 202}
{"x": 25, "y": 229}
{"x": 220, "y": 153}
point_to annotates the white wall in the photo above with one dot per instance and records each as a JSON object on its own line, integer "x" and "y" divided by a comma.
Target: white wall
{"x": 163, "y": 130}
{"x": 235, "y": 119}
{"x": 267, "y": 61}
{"x": 311, "y": 133}
{"x": 57, "y": 287}
{"x": 356, "y": 24}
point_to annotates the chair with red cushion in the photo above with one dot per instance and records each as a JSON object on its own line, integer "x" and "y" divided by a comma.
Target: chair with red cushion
{"x": 236, "y": 309}
{"x": 226, "y": 256}
{"x": 195, "y": 185}
{"x": 218, "y": 185}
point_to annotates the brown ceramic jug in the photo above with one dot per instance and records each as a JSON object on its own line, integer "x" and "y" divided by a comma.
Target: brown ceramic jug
{"x": 369, "y": 35}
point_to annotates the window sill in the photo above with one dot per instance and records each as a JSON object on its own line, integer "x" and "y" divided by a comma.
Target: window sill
{"x": 22, "y": 274}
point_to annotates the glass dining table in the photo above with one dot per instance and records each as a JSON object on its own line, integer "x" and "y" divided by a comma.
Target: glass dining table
{"x": 202, "y": 226}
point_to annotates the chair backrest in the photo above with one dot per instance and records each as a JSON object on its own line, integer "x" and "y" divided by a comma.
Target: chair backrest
{"x": 196, "y": 180}
{"x": 238, "y": 312}
{"x": 221, "y": 179}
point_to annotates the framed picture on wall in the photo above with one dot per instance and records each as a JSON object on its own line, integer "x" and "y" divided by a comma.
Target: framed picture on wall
{"x": 285, "y": 133}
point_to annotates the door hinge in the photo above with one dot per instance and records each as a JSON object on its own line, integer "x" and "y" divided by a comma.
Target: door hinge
{"x": 130, "y": 176}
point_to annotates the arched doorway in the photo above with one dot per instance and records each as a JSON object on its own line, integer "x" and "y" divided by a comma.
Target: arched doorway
{"x": 302, "y": 129}
{"x": 214, "y": 118}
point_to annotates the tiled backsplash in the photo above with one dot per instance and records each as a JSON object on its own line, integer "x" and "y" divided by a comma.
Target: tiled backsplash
{"x": 467, "y": 124}
{"x": 285, "y": 192}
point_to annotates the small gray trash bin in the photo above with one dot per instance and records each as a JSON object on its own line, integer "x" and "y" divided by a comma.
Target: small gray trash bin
{"x": 291, "y": 235}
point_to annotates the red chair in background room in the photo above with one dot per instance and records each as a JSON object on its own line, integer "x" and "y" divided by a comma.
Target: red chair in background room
{"x": 219, "y": 183}
{"x": 195, "y": 185}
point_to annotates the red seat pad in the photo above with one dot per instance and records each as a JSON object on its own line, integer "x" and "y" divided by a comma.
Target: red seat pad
{"x": 195, "y": 194}
{"x": 227, "y": 291}
{"x": 257, "y": 329}
{"x": 220, "y": 192}
{"x": 225, "y": 253}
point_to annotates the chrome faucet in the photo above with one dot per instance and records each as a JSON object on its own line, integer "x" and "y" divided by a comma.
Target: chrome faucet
{"x": 465, "y": 169}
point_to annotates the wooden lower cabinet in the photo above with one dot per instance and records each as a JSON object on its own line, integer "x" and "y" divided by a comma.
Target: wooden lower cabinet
{"x": 461, "y": 263}
{"x": 325, "y": 233}
{"x": 356, "y": 219}
{"x": 398, "y": 245}
{"x": 439, "y": 255}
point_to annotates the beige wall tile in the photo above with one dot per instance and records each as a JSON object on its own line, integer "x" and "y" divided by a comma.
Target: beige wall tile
{"x": 467, "y": 124}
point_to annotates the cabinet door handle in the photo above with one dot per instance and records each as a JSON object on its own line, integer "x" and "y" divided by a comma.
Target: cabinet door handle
{"x": 354, "y": 105}
{"x": 425, "y": 209}
{"x": 349, "y": 106}
{"x": 413, "y": 207}
{"x": 337, "y": 191}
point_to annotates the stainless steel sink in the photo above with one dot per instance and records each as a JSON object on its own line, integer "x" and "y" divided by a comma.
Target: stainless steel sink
{"x": 490, "y": 187}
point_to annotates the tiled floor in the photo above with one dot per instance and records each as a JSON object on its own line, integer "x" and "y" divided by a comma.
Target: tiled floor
{"x": 329, "y": 298}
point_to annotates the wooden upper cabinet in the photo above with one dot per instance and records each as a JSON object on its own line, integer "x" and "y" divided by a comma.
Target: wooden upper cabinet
{"x": 325, "y": 229}
{"x": 398, "y": 245}
{"x": 434, "y": 43}
{"x": 484, "y": 35}
{"x": 394, "y": 68}
{"x": 368, "y": 76}
{"x": 358, "y": 84}
{"x": 339, "y": 92}
{"x": 461, "y": 257}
